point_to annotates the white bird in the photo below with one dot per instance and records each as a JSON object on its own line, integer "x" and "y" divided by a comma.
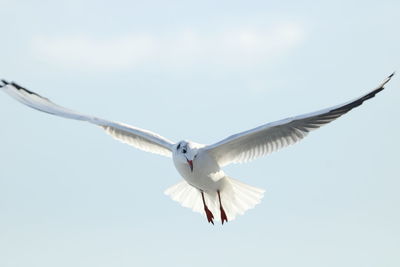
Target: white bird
{"x": 205, "y": 187}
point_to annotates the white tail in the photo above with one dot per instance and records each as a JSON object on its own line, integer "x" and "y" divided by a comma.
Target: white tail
{"x": 236, "y": 197}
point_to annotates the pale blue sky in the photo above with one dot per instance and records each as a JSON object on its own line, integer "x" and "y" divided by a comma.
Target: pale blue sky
{"x": 72, "y": 196}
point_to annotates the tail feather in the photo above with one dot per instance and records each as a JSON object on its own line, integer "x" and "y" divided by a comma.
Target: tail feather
{"x": 186, "y": 195}
{"x": 241, "y": 197}
{"x": 236, "y": 197}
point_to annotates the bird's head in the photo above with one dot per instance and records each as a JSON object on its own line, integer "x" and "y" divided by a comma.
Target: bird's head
{"x": 185, "y": 153}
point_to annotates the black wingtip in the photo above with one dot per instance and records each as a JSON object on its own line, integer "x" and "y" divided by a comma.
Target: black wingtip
{"x": 361, "y": 100}
{"x": 19, "y": 87}
{"x": 386, "y": 80}
{"x": 5, "y": 83}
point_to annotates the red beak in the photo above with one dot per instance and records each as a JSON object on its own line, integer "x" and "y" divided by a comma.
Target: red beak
{"x": 190, "y": 162}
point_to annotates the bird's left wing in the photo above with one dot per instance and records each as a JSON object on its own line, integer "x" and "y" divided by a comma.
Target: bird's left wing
{"x": 139, "y": 138}
{"x": 267, "y": 138}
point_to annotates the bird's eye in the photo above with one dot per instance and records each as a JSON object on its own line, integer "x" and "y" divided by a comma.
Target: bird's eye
{"x": 179, "y": 146}
{"x": 184, "y": 150}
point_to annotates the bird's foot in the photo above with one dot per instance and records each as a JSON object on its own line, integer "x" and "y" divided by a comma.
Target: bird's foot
{"x": 210, "y": 216}
{"x": 223, "y": 215}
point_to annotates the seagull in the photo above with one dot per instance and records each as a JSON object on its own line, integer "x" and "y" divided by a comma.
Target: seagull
{"x": 205, "y": 187}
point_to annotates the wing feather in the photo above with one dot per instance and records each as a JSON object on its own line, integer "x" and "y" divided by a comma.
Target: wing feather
{"x": 136, "y": 137}
{"x": 267, "y": 138}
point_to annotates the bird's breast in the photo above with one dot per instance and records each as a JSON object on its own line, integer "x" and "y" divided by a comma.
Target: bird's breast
{"x": 206, "y": 172}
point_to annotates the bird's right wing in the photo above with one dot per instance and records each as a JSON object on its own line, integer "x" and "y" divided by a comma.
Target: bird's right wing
{"x": 265, "y": 139}
{"x": 139, "y": 138}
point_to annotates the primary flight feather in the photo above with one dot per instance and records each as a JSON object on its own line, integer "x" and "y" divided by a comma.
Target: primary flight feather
{"x": 206, "y": 188}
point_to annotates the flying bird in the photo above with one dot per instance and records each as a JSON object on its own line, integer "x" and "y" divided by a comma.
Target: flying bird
{"x": 205, "y": 187}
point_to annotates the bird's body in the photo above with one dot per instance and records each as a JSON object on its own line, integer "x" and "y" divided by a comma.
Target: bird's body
{"x": 206, "y": 188}
{"x": 201, "y": 171}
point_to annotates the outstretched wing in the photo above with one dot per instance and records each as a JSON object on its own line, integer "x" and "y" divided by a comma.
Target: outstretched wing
{"x": 139, "y": 138}
{"x": 267, "y": 138}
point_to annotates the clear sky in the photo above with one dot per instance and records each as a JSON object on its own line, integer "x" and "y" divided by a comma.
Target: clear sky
{"x": 200, "y": 70}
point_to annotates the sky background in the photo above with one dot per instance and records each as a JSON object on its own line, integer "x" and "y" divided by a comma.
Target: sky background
{"x": 200, "y": 70}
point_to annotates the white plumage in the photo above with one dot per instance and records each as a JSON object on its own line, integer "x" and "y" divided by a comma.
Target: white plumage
{"x": 206, "y": 188}
{"x": 139, "y": 138}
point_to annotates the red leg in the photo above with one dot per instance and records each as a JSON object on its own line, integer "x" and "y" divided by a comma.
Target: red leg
{"x": 209, "y": 214}
{"x": 223, "y": 214}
